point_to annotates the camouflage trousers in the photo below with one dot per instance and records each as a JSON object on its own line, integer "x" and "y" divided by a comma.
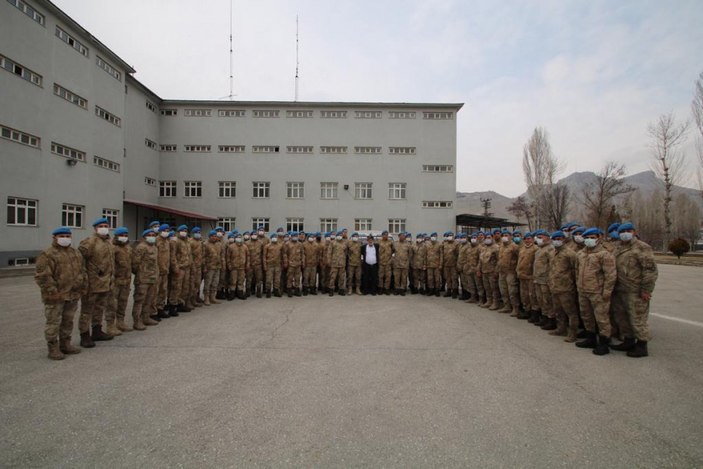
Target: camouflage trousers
{"x": 468, "y": 283}
{"x": 212, "y": 281}
{"x": 419, "y": 279}
{"x": 324, "y": 273}
{"x": 273, "y": 278}
{"x": 310, "y": 277}
{"x": 450, "y": 277}
{"x": 353, "y": 277}
{"x": 144, "y": 294}
{"x": 631, "y": 314}
{"x": 178, "y": 288}
{"x": 255, "y": 277}
{"x": 566, "y": 309}
{"x": 490, "y": 287}
{"x": 59, "y": 319}
{"x": 236, "y": 279}
{"x": 93, "y": 306}
{"x": 400, "y": 278}
{"x": 337, "y": 276}
{"x": 161, "y": 296}
{"x": 384, "y": 276}
{"x": 118, "y": 303}
{"x": 508, "y": 285}
{"x": 473, "y": 279}
{"x": 196, "y": 278}
{"x": 594, "y": 311}
{"x": 544, "y": 298}
{"x": 528, "y": 295}
{"x": 434, "y": 278}
{"x": 295, "y": 274}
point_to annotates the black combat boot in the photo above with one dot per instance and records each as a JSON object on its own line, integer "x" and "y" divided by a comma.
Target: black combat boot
{"x": 290, "y": 293}
{"x": 173, "y": 311}
{"x": 455, "y": 294}
{"x": 277, "y": 293}
{"x": 163, "y": 314}
{"x": 639, "y": 350}
{"x": 86, "y": 340}
{"x": 313, "y": 291}
{"x": 259, "y": 290}
{"x": 221, "y": 295}
{"x": 588, "y": 342}
{"x": 402, "y": 292}
{"x": 268, "y": 293}
{"x": 297, "y": 292}
{"x": 342, "y": 292}
{"x": 524, "y": 315}
{"x": 603, "y": 346}
{"x": 448, "y": 294}
{"x": 541, "y": 321}
{"x": 98, "y": 335}
{"x": 182, "y": 308}
{"x": 305, "y": 291}
{"x": 437, "y": 292}
{"x": 331, "y": 292}
{"x": 549, "y": 325}
{"x": 627, "y": 345}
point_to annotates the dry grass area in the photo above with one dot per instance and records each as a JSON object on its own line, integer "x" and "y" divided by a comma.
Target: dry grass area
{"x": 691, "y": 258}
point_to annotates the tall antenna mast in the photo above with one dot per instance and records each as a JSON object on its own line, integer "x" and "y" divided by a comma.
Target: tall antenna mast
{"x": 231, "y": 53}
{"x": 297, "y": 61}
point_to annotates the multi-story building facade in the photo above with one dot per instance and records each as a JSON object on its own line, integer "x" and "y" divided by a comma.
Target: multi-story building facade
{"x": 82, "y": 138}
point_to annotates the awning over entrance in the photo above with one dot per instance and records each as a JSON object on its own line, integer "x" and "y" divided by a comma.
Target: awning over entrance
{"x": 172, "y": 211}
{"x": 479, "y": 221}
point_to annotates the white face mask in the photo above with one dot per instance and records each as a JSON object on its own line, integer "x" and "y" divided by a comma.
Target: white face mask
{"x": 274, "y": 240}
{"x": 590, "y": 242}
{"x": 505, "y": 239}
{"x": 164, "y": 234}
{"x": 355, "y": 238}
{"x": 286, "y": 239}
{"x": 557, "y": 243}
{"x": 156, "y": 229}
{"x": 173, "y": 238}
{"x": 261, "y": 232}
{"x": 238, "y": 240}
{"x": 197, "y": 235}
{"x": 626, "y": 237}
{"x": 433, "y": 238}
{"x": 339, "y": 238}
{"x": 150, "y": 239}
{"x": 539, "y": 241}
{"x": 567, "y": 234}
{"x": 578, "y": 239}
{"x": 254, "y": 237}
{"x": 220, "y": 234}
{"x": 474, "y": 241}
{"x": 450, "y": 238}
{"x": 102, "y": 231}
{"x": 63, "y": 242}
{"x": 123, "y": 239}
{"x": 230, "y": 240}
{"x": 183, "y": 234}
{"x": 488, "y": 241}
{"x": 246, "y": 237}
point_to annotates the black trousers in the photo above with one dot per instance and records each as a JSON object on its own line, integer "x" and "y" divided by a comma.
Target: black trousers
{"x": 369, "y": 278}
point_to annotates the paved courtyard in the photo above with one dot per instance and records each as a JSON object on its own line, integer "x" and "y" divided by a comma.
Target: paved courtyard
{"x": 352, "y": 381}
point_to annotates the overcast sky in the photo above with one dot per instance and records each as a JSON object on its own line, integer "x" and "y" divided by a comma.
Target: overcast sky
{"x": 593, "y": 73}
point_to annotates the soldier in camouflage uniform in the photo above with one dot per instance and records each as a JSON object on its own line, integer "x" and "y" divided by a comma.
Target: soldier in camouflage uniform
{"x": 163, "y": 246}
{"x": 464, "y": 248}
{"x": 540, "y": 272}
{"x": 475, "y": 284}
{"x": 488, "y": 273}
{"x": 238, "y": 263}
{"x": 145, "y": 267}
{"x": 255, "y": 272}
{"x": 525, "y": 275}
{"x": 434, "y": 264}
{"x": 611, "y": 240}
{"x": 294, "y": 259}
{"x": 212, "y": 267}
{"x": 401, "y": 263}
{"x": 196, "y": 267}
{"x": 595, "y": 280}
{"x": 577, "y": 236}
{"x": 180, "y": 280}
{"x": 114, "y": 316}
{"x": 450, "y": 252}
{"x": 508, "y": 253}
{"x": 338, "y": 263}
{"x": 419, "y": 263}
{"x": 61, "y": 277}
{"x": 312, "y": 262}
{"x": 385, "y": 256}
{"x": 562, "y": 284}
{"x": 100, "y": 267}
{"x": 636, "y": 275}
{"x": 272, "y": 264}
{"x": 354, "y": 264}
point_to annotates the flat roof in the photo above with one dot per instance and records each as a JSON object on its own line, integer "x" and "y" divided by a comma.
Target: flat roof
{"x": 331, "y": 104}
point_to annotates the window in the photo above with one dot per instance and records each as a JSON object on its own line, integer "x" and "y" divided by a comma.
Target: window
{"x": 368, "y": 114}
{"x": 396, "y": 225}
{"x": 362, "y": 224}
{"x": 69, "y": 96}
{"x": 111, "y": 118}
{"x": 328, "y": 190}
{"x": 112, "y": 217}
{"x": 295, "y": 224}
{"x": 61, "y": 150}
{"x": 401, "y": 114}
{"x": 193, "y": 188}
{"x": 227, "y": 189}
{"x": 19, "y": 137}
{"x": 197, "y": 112}
{"x": 257, "y": 222}
{"x": 151, "y": 106}
{"x": 333, "y": 150}
{"x": 295, "y": 190}
{"x": 27, "y": 10}
{"x": 168, "y": 148}
{"x": 72, "y": 215}
{"x": 71, "y": 41}
{"x": 231, "y": 148}
{"x": 401, "y": 150}
{"x": 113, "y": 72}
{"x": 261, "y": 190}
{"x": 20, "y": 71}
{"x": 150, "y": 181}
{"x": 299, "y": 114}
{"x": 265, "y": 149}
{"x": 438, "y": 115}
{"x": 105, "y": 163}
{"x": 227, "y": 223}
{"x": 231, "y": 113}
{"x": 167, "y": 189}
{"x": 18, "y": 261}
{"x": 21, "y": 212}
{"x": 367, "y": 150}
{"x": 328, "y": 224}
{"x": 150, "y": 143}
{"x": 363, "y": 190}
{"x": 169, "y": 112}
{"x": 265, "y": 113}
{"x": 438, "y": 168}
{"x": 396, "y": 191}
{"x": 299, "y": 149}
{"x": 196, "y": 148}
{"x": 437, "y": 204}
{"x": 333, "y": 115}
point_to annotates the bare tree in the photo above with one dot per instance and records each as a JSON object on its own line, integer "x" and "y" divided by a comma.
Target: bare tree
{"x": 554, "y": 204}
{"x": 687, "y": 219}
{"x": 697, "y": 108}
{"x": 521, "y": 208}
{"x": 540, "y": 168}
{"x": 667, "y": 136}
{"x": 598, "y": 196}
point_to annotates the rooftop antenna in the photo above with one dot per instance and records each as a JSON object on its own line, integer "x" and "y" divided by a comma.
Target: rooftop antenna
{"x": 231, "y": 53}
{"x": 297, "y": 61}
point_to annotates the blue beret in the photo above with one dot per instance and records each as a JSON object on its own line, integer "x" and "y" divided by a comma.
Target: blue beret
{"x": 164, "y": 227}
{"x": 212, "y": 233}
{"x": 434, "y": 234}
{"x": 195, "y": 229}
{"x": 219, "y": 228}
{"x": 517, "y": 232}
{"x": 592, "y": 231}
{"x": 613, "y": 227}
{"x": 318, "y": 233}
{"x": 478, "y": 233}
{"x": 539, "y": 232}
{"x": 273, "y": 235}
{"x": 182, "y": 228}
{"x": 558, "y": 234}
{"x": 171, "y": 233}
{"x": 384, "y": 232}
{"x": 260, "y": 227}
{"x": 101, "y": 221}
{"x": 61, "y": 230}
{"x": 505, "y": 231}
{"x": 355, "y": 234}
{"x": 496, "y": 231}
{"x": 626, "y": 226}
{"x": 578, "y": 229}
{"x": 154, "y": 223}
{"x": 146, "y": 232}
{"x": 122, "y": 231}
{"x": 528, "y": 234}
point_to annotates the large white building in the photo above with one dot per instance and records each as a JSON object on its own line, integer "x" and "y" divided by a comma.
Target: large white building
{"x": 82, "y": 138}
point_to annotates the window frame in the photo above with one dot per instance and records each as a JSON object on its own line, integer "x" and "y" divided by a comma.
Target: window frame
{"x": 17, "y": 207}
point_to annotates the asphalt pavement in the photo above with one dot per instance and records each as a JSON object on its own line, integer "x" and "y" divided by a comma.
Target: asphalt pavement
{"x": 352, "y": 382}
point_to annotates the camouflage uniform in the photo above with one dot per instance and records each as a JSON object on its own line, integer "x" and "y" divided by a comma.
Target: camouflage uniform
{"x": 385, "y": 254}
{"x": 146, "y": 270}
{"x": 419, "y": 263}
{"x": 450, "y": 252}
{"x": 255, "y": 271}
{"x": 196, "y": 271}
{"x": 100, "y": 267}
{"x": 273, "y": 262}
{"x": 180, "y": 280}
{"x": 353, "y": 266}
{"x": 115, "y": 314}
{"x": 507, "y": 277}
{"x": 312, "y": 262}
{"x": 525, "y": 270}
{"x": 212, "y": 266}
{"x": 164, "y": 248}
{"x": 434, "y": 261}
{"x": 322, "y": 271}
{"x": 488, "y": 267}
{"x": 294, "y": 260}
{"x": 238, "y": 261}
{"x": 401, "y": 263}
{"x": 540, "y": 272}
{"x": 562, "y": 284}
{"x": 338, "y": 261}
{"x": 478, "y": 294}
{"x": 595, "y": 280}
{"x": 636, "y": 274}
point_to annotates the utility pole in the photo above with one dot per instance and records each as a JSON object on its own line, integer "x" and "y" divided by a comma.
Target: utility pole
{"x": 486, "y": 205}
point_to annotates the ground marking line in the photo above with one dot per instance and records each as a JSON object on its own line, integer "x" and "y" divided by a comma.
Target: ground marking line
{"x": 685, "y": 321}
